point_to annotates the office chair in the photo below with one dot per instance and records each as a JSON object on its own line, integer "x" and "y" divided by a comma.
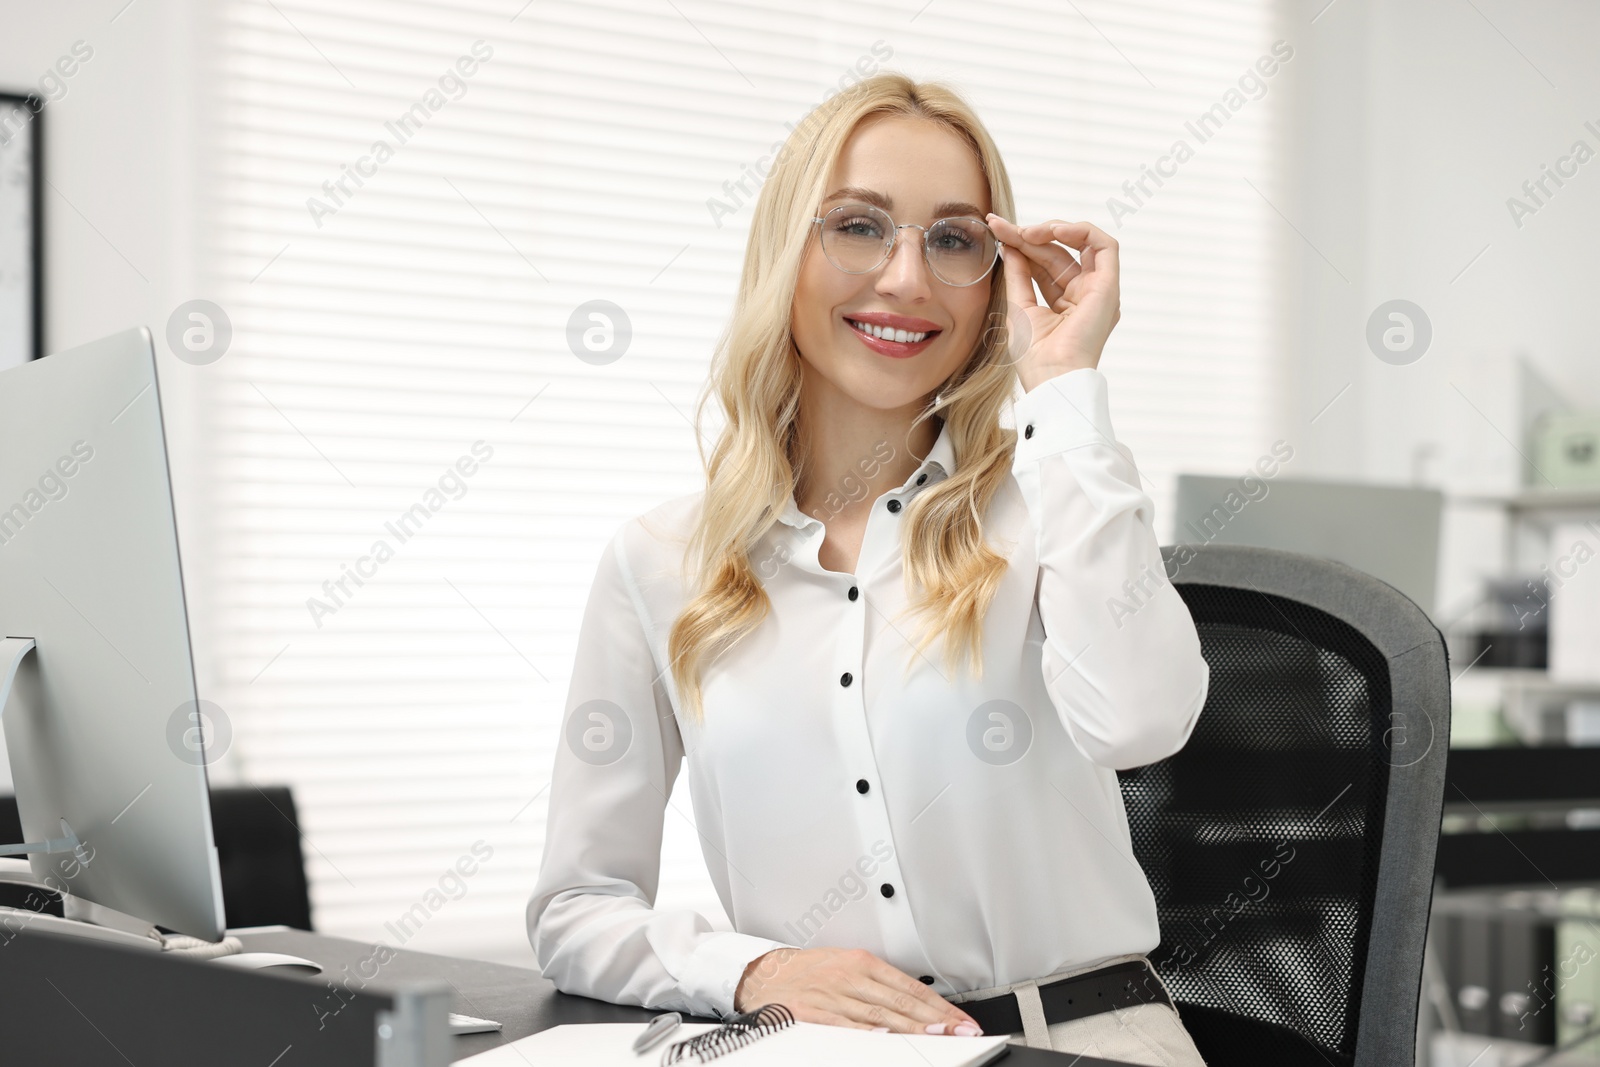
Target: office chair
{"x": 1291, "y": 843}
{"x": 257, "y": 832}
{"x": 258, "y": 851}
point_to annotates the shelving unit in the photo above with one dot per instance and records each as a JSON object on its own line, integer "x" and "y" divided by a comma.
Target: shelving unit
{"x": 1532, "y": 513}
{"x": 1532, "y": 703}
{"x": 1522, "y": 805}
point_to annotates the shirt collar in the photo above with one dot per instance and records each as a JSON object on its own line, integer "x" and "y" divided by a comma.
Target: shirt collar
{"x": 940, "y": 462}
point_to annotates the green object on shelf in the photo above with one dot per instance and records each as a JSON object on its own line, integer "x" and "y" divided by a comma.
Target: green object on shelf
{"x": 1577, "y": 978}
{"x": 1567, "y": 448}
{"x": 1479, "y": 724}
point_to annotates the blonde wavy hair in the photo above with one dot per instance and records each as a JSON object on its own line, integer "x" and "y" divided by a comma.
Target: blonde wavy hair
{"x": 951, "y": 574}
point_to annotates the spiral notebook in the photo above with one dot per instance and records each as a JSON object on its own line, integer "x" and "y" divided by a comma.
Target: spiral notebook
{"x": 768, "y": 1037}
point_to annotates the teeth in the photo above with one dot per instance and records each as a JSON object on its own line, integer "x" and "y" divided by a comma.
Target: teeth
{"x": 887, "y": 334}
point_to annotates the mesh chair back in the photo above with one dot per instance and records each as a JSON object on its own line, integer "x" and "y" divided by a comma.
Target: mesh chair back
{"x": 1290, "y": 844}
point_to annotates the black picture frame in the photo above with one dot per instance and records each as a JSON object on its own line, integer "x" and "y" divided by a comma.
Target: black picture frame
{"x": 31, "y": 105}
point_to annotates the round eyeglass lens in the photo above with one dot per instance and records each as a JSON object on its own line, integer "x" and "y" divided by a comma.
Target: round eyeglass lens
{"x": 856, "y": 239}
{"x": 961, "y": 251}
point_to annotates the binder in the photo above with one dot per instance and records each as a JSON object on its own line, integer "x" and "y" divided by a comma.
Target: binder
{"x": 1471, "y": 971}
{"x": 1524, "y": 989}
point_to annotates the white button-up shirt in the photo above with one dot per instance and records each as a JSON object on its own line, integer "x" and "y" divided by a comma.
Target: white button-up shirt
{"x": 847, "y": 793}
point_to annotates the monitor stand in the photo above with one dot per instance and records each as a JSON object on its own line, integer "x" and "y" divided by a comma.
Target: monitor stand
{"x": 84, "y": 918}
{"x": 12, "y": 651}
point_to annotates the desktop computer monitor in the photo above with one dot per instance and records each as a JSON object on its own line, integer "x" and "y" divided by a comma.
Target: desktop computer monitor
{"x": 1389, "y": 531}
{"x": 102, "y": 724}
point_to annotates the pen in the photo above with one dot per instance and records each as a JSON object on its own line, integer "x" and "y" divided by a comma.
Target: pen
{"x": 659, "y": 1027}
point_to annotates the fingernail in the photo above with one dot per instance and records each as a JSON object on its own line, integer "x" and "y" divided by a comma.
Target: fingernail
{"x": 967, "y": 1030}
{"x": 880, "y": 1029}
{"x": 936, "y": 1028}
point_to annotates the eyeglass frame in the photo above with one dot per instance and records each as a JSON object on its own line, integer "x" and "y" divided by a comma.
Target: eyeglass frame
{"x": 895, "y": 240}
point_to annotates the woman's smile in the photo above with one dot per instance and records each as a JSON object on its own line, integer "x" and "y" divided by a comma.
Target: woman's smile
{"x": 896, "y": 336}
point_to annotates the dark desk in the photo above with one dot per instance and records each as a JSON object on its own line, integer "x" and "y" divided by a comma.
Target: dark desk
{"x": 521, "y": 1000}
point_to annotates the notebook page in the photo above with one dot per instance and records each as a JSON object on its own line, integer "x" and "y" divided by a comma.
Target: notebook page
{"x": 800, "y": 1044}
{"x": 808, "y": 1044}
{"x": 584, "y": 1045}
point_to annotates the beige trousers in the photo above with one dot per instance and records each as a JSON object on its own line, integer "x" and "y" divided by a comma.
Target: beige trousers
{"x": 1148, "y": 1034}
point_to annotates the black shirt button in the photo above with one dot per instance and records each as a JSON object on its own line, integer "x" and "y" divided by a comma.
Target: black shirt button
{"x": 894, "y": 505}
{"x": 1029, "y": 431}
{"x": 861, "y": 785}
{"x": 845, "y": 679}
{"x": 854, "y": 592}
{"x": 921, "y": 478}
{"x": 886, "y": 889}
{"x": 927, "y": 979}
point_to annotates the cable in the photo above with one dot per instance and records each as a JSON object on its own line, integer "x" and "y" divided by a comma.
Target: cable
{"x": 195, "y": 948}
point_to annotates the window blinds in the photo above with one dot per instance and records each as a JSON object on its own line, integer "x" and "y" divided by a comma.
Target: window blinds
{"x": 412, "y": 474}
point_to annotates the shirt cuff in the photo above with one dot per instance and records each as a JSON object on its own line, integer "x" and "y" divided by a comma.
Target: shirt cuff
{"x": 1064, "y": 412}
{"x": 716, "y": 966}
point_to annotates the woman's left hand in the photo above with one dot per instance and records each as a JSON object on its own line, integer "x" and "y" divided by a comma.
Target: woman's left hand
{"x": 1082, "y": 297}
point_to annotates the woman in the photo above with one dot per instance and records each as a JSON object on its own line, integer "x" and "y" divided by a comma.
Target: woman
{"x": 903, "y": 647}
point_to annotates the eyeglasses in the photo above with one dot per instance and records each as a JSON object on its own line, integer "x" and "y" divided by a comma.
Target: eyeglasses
{"x": 858, "y": 238}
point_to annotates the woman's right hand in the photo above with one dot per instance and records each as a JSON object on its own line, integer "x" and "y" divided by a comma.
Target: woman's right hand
{"x": 848, "y": 987}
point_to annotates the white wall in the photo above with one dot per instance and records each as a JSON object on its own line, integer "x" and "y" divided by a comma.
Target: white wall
{"x": 119, "y": 235}
{"x": 1417, "y": 120}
